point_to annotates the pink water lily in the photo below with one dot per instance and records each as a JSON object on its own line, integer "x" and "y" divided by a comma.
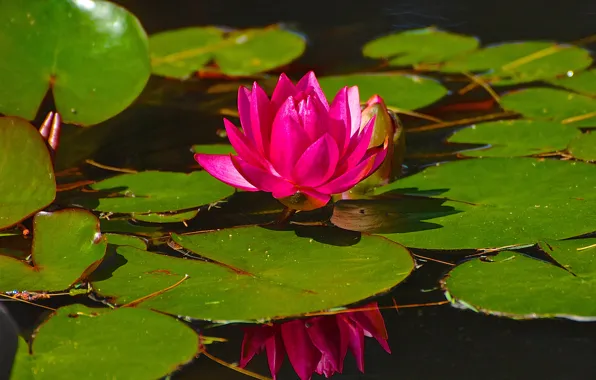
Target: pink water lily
{"x": 317, "y": 344}
{"x": 296, "y": 145}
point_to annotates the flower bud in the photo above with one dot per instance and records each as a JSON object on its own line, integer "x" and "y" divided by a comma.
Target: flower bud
{"x": 387, "y": 126}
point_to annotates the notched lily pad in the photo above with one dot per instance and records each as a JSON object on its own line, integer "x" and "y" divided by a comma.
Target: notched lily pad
{"x": 552, "y": 104}
{"x": 93, "y": 54}
{"x": 401, "y": 91}
{"x": 180, "y": 53}
{"x": 499, "y": 202}
{"x": 518, "y": 286}
{"x": 510, "y": 138}
{"x": 258, "y": 273}
{"x": 78, "y": 342}
{"x": 584, "y": 147}
{"x": 155, "y": 192}
{"x": 67, "y": 246}
{"x": 27, "y": 182}
{"x": 411, "y": 47}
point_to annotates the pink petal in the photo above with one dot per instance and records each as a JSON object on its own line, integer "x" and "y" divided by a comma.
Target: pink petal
{"x": 254, "y": 341}
{"x": 371, "y": 161}
{"x": 261, "y": 116}
{"x": 309, "y": 83}
{"x": 356, "y": 344}
{"x": 359, "y": 145}
{"x": 244, "y": 95}
{"x": 275, "y": 352}
{"x": 316, "y": 199}
{"x": 318, "y": 162}
{"x": 324, "y": 334}
{"x": 313, "y": 117}
{"x": 354, "y": 109}
{"x": 303, "y": 355}
{"x": 263, "y": 180}
{"x": 288, "y": 139}
{"x": 243, "y": 146}
{"x": 339, "y": 113}
{"x": 371, "y": 321}
{"x": 221, "y": 167}
{"x": 283, "y": 90}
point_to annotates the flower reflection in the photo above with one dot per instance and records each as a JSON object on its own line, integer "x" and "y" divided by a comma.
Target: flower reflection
{"x": 317, "y": 344}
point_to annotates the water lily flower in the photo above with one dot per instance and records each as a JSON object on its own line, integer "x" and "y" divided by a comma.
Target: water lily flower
{"x": 296, "y": 145}
{"x": 317, "y": 344}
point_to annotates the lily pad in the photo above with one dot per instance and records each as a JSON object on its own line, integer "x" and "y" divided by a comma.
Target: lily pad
{"x": 214, "y": 149}
{"x": 258, "y": 273}
{"x": 67, "y": 246}
{"x": 154, "y": 191}
{"x": 125, "y": 240}
{"x": 515, "y": 138}
{"x": 584, "y": 147}
{"x": 166, "y": 217}
{"x": 518, "y": 286}
{"x": 520, "y": 62}
{"x": 427, "y": 45}
{"x": 401, "y": 91}
{"x": 180, "y": 53}
{"x": 93, "y": 54}
{"x": 499, "y": 202}
{"x": 551, "y": 104}
{"x": 78, "y": 342}
{"x": 27, "y": 182}
{"x": 583, "y": 82}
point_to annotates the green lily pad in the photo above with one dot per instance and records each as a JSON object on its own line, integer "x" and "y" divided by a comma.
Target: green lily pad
{"x": 258, "y": 274}
{"x": 166, "y": 217}
{"x": 154, "y": 191}
{"x": 79, "y": 342}
{"x": 427, "y": 45}
{"x": 93, "y": 54}
{"x": 67, "y": 246}
{"x": 510, "y": 138}
{"x": 180, "y": 53}
{"x": 27, "y": 182}
{"x": 497, "y": 202}
{"x": 401, "y": 91}
{"x": 583, "y": 82}
{"x": 125, "y": 240}
{"x": 520, "y": 62}
{"x": 518, "y": 286}
{"x": 214, "y": 149}
{"x": 584, "y": 147}
{"x": 551, "y": 104}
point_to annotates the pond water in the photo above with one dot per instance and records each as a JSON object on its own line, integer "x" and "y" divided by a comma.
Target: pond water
{"x": 427, "y": 342}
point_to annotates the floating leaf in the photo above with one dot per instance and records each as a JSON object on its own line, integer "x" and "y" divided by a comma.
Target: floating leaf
{"x": 550, "y": 104}
{"x": 498, "y": 202}
{"x": 79, "y": 342}
{"x": 400, "y": 91}
{"x": 93, "y": 54}
{"x": 125, "y": 240}
{"x": 259, "y": 273}
{"x": 515, "y": 138}
{"x": 583, "y": 82}
{"x": 518, "y": 286}
{"x": 214, "y": 149}
{"x": 180, "y": 53}
{"x": 428, "y": 45}
{"x": 67, "y": 245}
{"x": 27, "y": 182}
{"x": 154, "y": 191}
{"x": 519, "y": 62}
{"x": 166, "y": 217}
{"x": 584, "y": 147}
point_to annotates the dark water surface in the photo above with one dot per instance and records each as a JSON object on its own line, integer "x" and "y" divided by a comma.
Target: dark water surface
{"x": 430, "y": 342}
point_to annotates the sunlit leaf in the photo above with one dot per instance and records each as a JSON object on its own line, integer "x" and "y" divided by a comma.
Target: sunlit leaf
{"x": 515, "y": 138}
{"x": 518, "y": 286}
{"x": 166, "y": 217}
{"x": 520, "y": 62}
{"x": 93, "y": 55}
{"x": 214, "y": 149}
{"x": 495, "y": 202}
{"x": 27, "y": 182}
{"x": 584, "y": 147}
{"x": 258, "y": 273}
{"x": 67, "y": 245}
{"x": 126, "y": 240}
{"x": 79, "y": 342}
{"x": 154, "y": 191}
{"x": 583, "y": 82}
{"x": 551, "y": 104}
{"x": 180, "y": 53}
{"x": 400, "y": 91}
{"x": 428, "y": 45}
